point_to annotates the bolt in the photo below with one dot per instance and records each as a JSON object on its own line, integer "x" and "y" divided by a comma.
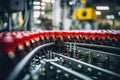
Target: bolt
{"x": 69, "y": 62}
{"x": 98, "y": 55}
{"x": 51, "y": 67}
{"x": 43, "y": 69}
{"x": 106, "y": 58}
{"x": 79, "y": 66}
{"x": 58, "y": 71}
{"x": 66, "y": 75}
{"x": 79, "y": 51}
{"x": 61, "y": 59}
{"x": 99, "y": 73}
{"x": 89, "y": 69}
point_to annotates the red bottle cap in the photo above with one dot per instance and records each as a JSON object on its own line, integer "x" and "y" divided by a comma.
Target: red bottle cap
{"x": 37, "y": 36}
{"x": 59, "y": 34}
{"x": 32, "y": 35}
{"x": 77, "y": 33}
{"x": 52, "y": 33}
{"x": 85, "y": 34}
{"x": 41, "y": 34}
{"x": 26, "y": 37}
{"x": 19, "y": 39}
{"x": 92, "y": 35}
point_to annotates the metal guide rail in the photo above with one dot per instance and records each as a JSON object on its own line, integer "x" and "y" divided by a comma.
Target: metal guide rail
{"x": 104, "y": 48}
{"x": 45, "y": 63}
{"x": 92, "y": 71}
{"x": 102, "y": 59}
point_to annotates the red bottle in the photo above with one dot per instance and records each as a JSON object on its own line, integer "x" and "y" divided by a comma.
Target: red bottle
{"x": 26, "y": 40}
{"x": 81, "y": 36}
{"x": 114, "y": 36}
{"x": 52, "y": 36}
{"x": 20, "y": 48}
{"x": 47, "y": 36}
{"x": 7, "y": 60}
{"x": 85, "y": 36}
{"x": 67, "y": 36}
{"x": 42, "y": 37}
{"x": 37, "y": 38}
{"x": 76, "y": 36}
{"x": 32, "y": 39}
{"x": 59, "y": 42}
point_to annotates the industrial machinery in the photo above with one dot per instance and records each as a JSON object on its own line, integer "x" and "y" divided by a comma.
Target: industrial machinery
{"x": 85, "y": 14}
{"x": 60, "y": 55}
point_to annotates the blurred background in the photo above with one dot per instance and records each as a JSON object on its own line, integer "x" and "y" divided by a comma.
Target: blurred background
{"x": 19, "y": 15}
{"x": 36, "y": 34}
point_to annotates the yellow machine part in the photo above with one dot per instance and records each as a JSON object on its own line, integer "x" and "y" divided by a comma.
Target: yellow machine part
{"x": 85, "y": 14}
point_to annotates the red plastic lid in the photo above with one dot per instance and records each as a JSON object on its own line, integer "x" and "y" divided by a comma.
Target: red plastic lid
{"x": 52, "y": 33}
{"x": 66, "y": 33}
{"x": 8, "y": 43}
{"x": 41, "y": 34}
{"x": 19, "y": 39}
{"x": 37, "y": 36}
{"x": 114, "y": 36}
{"x": 47, "y": 33}
{"x": 76, "y": 33}
{"x": 85, "y": 34}
{"x": 26, "y": 37}
{"x": 72, "y": 33}
{"x": 59, "y": 34}
{"x": 92, "y": 34}
{"x": 32, "y": 35}
{"x": 101, "y": 34}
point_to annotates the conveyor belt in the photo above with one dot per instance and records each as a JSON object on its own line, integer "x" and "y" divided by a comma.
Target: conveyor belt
{"x": 43, "y": 63}
{"x": 28, "y": 55}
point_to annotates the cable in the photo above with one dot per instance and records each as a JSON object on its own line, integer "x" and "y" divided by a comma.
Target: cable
{"x": 26, "y": 18}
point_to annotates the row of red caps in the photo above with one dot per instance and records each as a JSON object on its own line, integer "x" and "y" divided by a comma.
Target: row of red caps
{"x": 9, "y": 41}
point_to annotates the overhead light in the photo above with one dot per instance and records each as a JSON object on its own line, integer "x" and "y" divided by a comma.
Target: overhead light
{"x": 102, "y": 7}
{"x": 46, "y": 0}
{"x": 42, "y": 8}
{"x": 42, "y": 13}
{"x": 71, "y": 2}
{"x": 36, "y": 14}
{"x": 119, "y": 13}
{"x": 43, "y": 4}
{"x": 36, "y": 3}
{"x": 98, "y": 12}
{"x": 110, "y": 17}
{"x": 52, "y": 1}
{"x": 36, "y": 7}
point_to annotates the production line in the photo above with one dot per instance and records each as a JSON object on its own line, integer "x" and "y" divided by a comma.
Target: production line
{"x": 60, "y": 55}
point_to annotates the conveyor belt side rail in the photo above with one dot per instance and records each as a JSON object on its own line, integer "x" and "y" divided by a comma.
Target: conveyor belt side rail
{"x": 89, "y": 69}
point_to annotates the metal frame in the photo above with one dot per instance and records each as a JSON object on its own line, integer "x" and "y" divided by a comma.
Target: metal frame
{"x": 111, "y": 59}
{"x": 104, "y": 48}
{"x": 69, "y": 72}
{"x": 90, "y": 69}
{"x": 82, "y": 70}
{"x": 18, "y": 68}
